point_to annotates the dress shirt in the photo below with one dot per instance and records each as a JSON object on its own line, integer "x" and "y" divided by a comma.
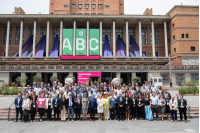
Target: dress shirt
{"x": 37, "y": 91}
{"x": 154, "y": 89}
{"x": 154, "y": 100}
{"x": 118, "y": 91}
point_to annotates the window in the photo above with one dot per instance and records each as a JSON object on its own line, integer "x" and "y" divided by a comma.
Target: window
{"x": 73, "y": 13}
{"x": 192, "y": 48}
{"x": 174, "y": 37}
{"x": 106, "y": 31}
{"x": 118, "y": 32}
{"x": 79, "y": 5}
{"x": 5, "y": 34}
{"x": 174, "y": 49}
{"x": 51, "y": 13}
{"x": 120, "y": 4}
{"x": 68, "y": 27}
{"x": 144, "y": 35}
{"x": 100, "y": 13}
{"x": 156, "y": 54}
{"x": 107, "y": 6}
{"x": 180, "y": 77}
{"x": 30, "y": 32}
{"x": 169, "y": 51}
{"x": 100, "y": 5}
{"x": 93, "y": 5}
{"x": 94, "y": 27}
{"x": 17, "y": 35}
{"x": 86, "y": 13}
{"x": 86, "y": 5}
{"x": 156, "y": 36}
{"x": 43, "y": 31}
{"x": 93, "y": 13}
{"x": 182, "y": 35}
{"x": 173, "y": 25}
{"x": 79, "y": 13}
{"x": 194, "y": 76}
{"x": 65, "y": 5}
{"x": 131, "y": 32}
{"x": 73, "y": 5}
{"x": 186, "y": 35}
{"x": 81, "y": 27}
{"x": 56, "y": 31}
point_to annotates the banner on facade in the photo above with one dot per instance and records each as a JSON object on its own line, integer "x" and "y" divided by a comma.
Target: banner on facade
{"x": 94, "y": 42}
{"x": 67, "y": 42}
{"x": 84, "y": 76}
{"x": 80, "y": 41}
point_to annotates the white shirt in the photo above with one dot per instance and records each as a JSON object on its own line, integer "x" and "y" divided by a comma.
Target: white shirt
{"x": 57, "y": 91}
{"x": 119, "y": 91}
{"x": 154, "y": 100}
{"x": 154, "y": 89}
{"x": 37, "y": 90}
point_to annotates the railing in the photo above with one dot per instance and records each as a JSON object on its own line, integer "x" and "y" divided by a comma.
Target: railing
{"x": 9, "y": 111}
{"x": 178, "y": 97}
{"x": 97, "y": 67}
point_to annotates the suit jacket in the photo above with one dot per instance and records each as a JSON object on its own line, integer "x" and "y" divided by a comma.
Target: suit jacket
{"x": 104, "y": 87}
{"x": 67, "y": 103}
{"x": 184, "y": 103}
{"x": 54, "y": 102}
{"x": 129, "y": 103}
{"x": 81, "y": 95}
{"x": 104, "y": 103}
{"x": 47, "y": 102}
{"x": 135, "y": 88}
{"x": 175, "y": 104}
{"x": 146, "y": 90}
{"x": 112, "y": 103}
{"x": 62, "y": 103}
{"x": 53, "y": 88}
{"x": 92, "y": 103}
{"x": 165, "y": 96}
{"x": 132, "y": 103}
{"x": 77, "y": 105}
{"x": 20, "y": 102}
{"x": 74, "y": 95}
{"x": 87, "y": 92}
{"x": 120, "y": 102}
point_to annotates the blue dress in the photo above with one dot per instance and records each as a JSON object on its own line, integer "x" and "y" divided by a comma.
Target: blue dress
{"x": 148, "y": 112}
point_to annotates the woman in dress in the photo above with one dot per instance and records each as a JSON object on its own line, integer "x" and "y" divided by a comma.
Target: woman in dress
{"x": 100, "y": 106}
{"x": 33, "y": 108}
{"x": 162, "y": 106}
{"x": 133, "y": 106}
{"x": 140, "y": 106}
{"x": 25, "y": 107}
{"x": 49, "y": 107}
{"x": 167, "y": 106}
{"x": 148, "y": 111}
{"x": 106, "y": 110}
{"x": 41, "y": 104}
{"x": 127, "y": 106}
{"x": 85, "y": 104}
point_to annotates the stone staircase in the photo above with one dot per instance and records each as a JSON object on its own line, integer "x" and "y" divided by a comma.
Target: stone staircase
{"x": 194, "y": 113}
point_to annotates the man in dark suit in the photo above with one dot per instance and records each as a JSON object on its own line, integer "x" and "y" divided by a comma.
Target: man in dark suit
{"x": 164, "y": 94}
{"x": 120, "y": 103}
{"x": 70, "y": 106}
{"x": 182, "y": 103}
{"x": 74, "y": 93}
{"x": 56, "y": 103}
{"x": 70, "y": 87}
{"x": 81, "y": 93}
{"x": 103, "y": 86}
{"x": 18, "y": 107}
{"x": 136, "y": 87}
{"x": 54, "y": 87}
{"x": 112, "y": 105}
{"x": 78, "y": 106}
{"x": 89, "y": 92}
{"x": 92, "y": 107}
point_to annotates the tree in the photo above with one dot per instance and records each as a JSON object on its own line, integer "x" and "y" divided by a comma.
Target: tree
{"x": 21, "y": 80}
{"x": 53, "y": 78}
{"x": 37, "y": 78}
{"x": 135, "y": 79}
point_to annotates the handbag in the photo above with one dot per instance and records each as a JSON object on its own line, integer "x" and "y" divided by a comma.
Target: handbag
{"x": 25, "y": 113}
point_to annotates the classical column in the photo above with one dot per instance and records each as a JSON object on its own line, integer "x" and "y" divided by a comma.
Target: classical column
{"x": 165, "y": 30}
{"x": 88, "y": 42}
{"x": 114, "y": 47}
{"x": 153, "y": 38}
{"x": 127, "y": 43}
{"x": 7, "y": 37}
{"x": 140, "y": 38}
{"x": 74, "y": 37}
{"x": 61, "y": 36}
{"x": 47, "y": 39}
{"x": 34, "y": 38}
{"x": 100, "y": 38}
{"x": 21, "y": 37}
{"x": 118, "y": 75}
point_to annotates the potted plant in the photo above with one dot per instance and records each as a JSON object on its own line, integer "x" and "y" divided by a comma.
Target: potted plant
{"x": 37, "y": 78}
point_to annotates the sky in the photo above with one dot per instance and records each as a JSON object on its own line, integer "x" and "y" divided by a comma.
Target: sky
{"x": 160, "y": 7}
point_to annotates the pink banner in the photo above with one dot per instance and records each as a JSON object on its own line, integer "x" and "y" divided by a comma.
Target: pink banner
{"x": 86, "y": 57}
{"x": 84, "y": 76}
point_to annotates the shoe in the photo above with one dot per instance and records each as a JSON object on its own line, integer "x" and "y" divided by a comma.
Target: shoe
{"x": 135, "y": 119}
{"x": 185, "y": 121}
{"x": 53, "y": 120}
{"x": 21, "y": 121}
{"x": 176, "y": 121}
{"x": 172, "y": 120}
{"x": 118, "y": 119}
{"x": 90, "y": 119}
{"x": 68, "y": 120}
{"x": 93, "y": 119}
{"x": 15, "y": 121}
{"x": 180, "y": 120}
{"x": 57, "y": 120}
{"x": 157, "y": 119}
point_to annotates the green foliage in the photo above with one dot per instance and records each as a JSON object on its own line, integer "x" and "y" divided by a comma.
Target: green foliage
{"x": 21, "y": 80}
{"x": 98, "y": 81}
{"x": 191, "y": 89}
{"x": 121, "y": 80}
{"x": 10, "y": 91}
{"x": 37, "y": 78}
{"x": 53, "y": 78}
{"x": 136, "y": 79}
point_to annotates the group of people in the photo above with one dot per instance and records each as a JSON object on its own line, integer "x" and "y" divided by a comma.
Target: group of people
{"x": 108, "y": 101}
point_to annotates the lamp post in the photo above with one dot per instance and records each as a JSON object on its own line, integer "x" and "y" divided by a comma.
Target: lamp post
{"x": 169, "y": 66}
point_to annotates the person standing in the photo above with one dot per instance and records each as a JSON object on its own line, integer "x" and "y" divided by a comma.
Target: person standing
{"x": 41, "y": 104}
{"x": 127, "y": 106}
{"x": 154, "y": 104}
{"x": 120, "y": 102}
{"x": 167, "y": 106}
{"x": 25, "y": 107}
{"x": 133, "y": 106}
{"x": 148, "y": 111}
{"x": 106, "y": 111}
{"x": 92, "y": 107}
{"x": 37, "y": 90}
{"x": 173, "y": 108}
{"x": 49, "y": 106}
{"x": 78, "y": 105}
{"x": 70, "y": 106}
{"x": 154, "y": 89}
{"x": 112, "y": 106}
{"x": 56, "y": 103}
{"x": 18, "y": 107}
{"x": 162, "y": 106}
{"x": 100, "y": 106}
{"x": 182, "y": 103}
{"x": 140, "y": 106}
{"x": 62, "y": 107}
{"x": 85, "y": 104}
{"x": 33, "y": 108}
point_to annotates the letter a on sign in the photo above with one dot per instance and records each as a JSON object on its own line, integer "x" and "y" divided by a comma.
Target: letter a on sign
{"x": 80, "y": 41}
{"x": 67, "y": 41}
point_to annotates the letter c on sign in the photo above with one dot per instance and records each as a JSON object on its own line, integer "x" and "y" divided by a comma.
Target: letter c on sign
{"x": 93, "y": 39}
